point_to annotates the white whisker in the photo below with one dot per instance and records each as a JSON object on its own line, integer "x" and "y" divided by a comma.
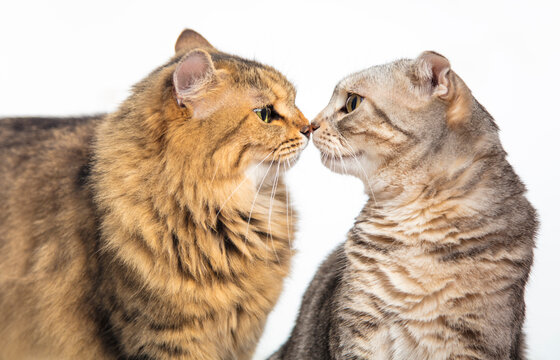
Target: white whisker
{"x": 272, "y": 194}
{"x": 341, "y": 160}
{"x": 215, "y": 172}
{"x": 237, "y": 188}
{"x": 287, "y": 207}
{"x": 353, "y": 153}
{"x": 255, "y": 199}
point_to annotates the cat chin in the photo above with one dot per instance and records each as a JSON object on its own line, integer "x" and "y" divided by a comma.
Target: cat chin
{"x": 267, "y": 171}
{"x": 345, "y": 165}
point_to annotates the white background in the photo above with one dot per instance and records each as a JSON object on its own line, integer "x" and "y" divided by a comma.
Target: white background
{"x": 68, "y": 58}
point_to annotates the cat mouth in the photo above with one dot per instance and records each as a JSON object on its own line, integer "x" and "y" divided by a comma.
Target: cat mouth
{"x": 340, "y": 157}
{"x": 287, "y": 158}
{"x": 342, "y": 163}
{"x": 344, "y": 156}
{"x": 276, "y": 163}
{"x": 331, "y": 152}
{"x": 288, "y": 154}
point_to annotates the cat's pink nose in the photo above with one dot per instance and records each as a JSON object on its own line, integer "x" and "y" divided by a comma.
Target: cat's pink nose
{"x": 306, "y": 130}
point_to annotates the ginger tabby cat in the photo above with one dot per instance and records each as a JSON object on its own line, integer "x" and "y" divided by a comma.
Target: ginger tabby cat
{"x": 157, "y": 231}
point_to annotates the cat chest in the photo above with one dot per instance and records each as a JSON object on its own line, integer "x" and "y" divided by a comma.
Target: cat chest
{"x": 399, "y": 340}
{"x": 383, "y": 322}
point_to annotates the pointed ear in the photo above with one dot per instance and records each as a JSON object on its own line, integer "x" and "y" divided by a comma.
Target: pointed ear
{"x": 189, "y": 40}
{"x": 193, "y": 75}
{"x": 433, "y": 73}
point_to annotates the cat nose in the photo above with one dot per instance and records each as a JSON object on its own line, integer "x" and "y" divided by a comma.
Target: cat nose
{"x": 315, "y": 125}
{"x": 306, "y": 130}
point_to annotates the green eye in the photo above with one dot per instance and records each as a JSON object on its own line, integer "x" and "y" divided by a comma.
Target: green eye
{"x": 353, "y": 102}
{"x": 264, "y": 113}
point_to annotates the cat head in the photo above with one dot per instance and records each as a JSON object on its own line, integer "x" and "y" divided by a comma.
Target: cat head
{"x": 402, "y": 123}
{"x": 216, "y": 116}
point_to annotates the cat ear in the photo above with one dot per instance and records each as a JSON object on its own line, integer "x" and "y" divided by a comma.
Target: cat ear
{"x": 433, "y": 73}
{"x": 193, "y": 75}
{"x": 189, "y": 40}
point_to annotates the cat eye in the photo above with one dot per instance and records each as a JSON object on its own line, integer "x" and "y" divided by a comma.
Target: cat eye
{"x": 265, "y": 114}
{"x": 353, "y": 102}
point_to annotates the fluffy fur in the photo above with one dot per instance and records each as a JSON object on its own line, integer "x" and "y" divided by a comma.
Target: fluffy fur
{"x": 436, "y": 264}
{"x": 160, "y": 231}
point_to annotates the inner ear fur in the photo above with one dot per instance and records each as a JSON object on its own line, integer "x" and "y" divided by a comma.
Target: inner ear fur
{"x": 189, "y": 40}
{"x": 193, "y": 76}
{"x": 433, "y": 73}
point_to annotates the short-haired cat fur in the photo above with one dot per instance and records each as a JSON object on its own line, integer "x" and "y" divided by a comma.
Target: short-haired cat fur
{"x": 436, "y": 263}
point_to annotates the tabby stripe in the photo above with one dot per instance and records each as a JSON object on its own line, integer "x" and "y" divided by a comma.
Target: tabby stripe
{"x": 84, "y": 173}
{"x": 386, "y": 313}
{"x": 137, "y": 357}
{"x": 357, "y": 332}
{"x": 354, "y": 356}
{"x": 222, "y": 141}
{"x": 384, "y": 282}
{"x": 363, "y": 259}
{"x": 374, "y": 135}
{"x": 108, "y": 334}
{"x": 175, "y": 325}
{"x": 146, "y": 307}
{"x": 129, "y": 279}
{"x": 368, "y": 245}
{"x": 141, "y": 316}
{"x": 130, "y": 317}
{"x": 181, "y": 266}
{"x": 463, "y": 330}
{"x": 216, "y": 273}
{"x": 386, "y": 119}
{"x": 217, "y": 57}
{"x": 407, "y": 334}
{"x": 467, "y": 253}
{"x": 171, "y": 349}
{"x": 264, "y": 235}
{"x": 363, "y": 319}
{"x": 221, "y": 232}
{"x": 244, "y": 149}
{"x": 142, "y": 245}
{"x": 381, "y": 239}
{"x": 129, "y": 313}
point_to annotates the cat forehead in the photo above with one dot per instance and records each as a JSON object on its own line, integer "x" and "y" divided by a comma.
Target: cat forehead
{"x": 378, "y": 75}
{"x": 253, "y": 74}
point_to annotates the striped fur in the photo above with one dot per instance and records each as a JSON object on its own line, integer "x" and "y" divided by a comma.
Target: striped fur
{"x": 437, "y": 261}
{"x": 160, "y": 231}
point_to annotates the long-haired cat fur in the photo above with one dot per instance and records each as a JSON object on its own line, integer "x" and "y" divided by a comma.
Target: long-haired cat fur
{"x": 436, "y": 264}
{"x": 159, "y": 231}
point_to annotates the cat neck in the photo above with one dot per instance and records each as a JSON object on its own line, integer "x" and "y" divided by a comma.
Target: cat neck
{"x": 449, "y": 196}
{"x": 154, "y": 209}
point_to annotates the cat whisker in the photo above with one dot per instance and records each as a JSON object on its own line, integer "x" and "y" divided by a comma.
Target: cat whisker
{"x": 272, "y": 194}
{"x": 290, "y": 214}
{"x": 353, "y": 154}
{"x": 215, "y": 172}
{"x": 256, "y": 196}
{"x": 287, "y": 209}
{"x": 238, "y": 187}
{"x": 341, "y": 160}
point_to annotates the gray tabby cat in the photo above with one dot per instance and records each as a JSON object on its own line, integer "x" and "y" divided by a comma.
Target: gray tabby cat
{"x": 436, "y": 264}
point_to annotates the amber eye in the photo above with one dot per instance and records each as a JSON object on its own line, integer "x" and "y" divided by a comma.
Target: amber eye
{"x": 264, "y": 113}
{"x": 353, "y": 102}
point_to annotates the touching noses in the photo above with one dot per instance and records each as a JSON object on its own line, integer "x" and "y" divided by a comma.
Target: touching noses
{"x": 308, "y": 129}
